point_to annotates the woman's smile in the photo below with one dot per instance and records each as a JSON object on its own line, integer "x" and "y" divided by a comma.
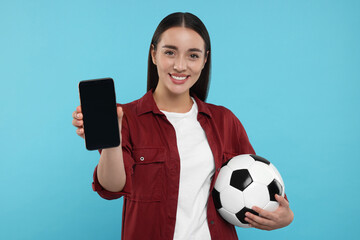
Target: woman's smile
{"x": 178, "y": 78}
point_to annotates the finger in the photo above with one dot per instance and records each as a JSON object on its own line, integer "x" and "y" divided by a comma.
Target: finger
{"x": 257, "y": 225}
{"x": 77, "y": 115}
{"x": 80, "y": 132}
{"x": 120, "y": 112}
{"x": 263, "y": 213}
{"x": 258, "y": 219}
{"x": 282, "y": 201}
{"x": 77, "y": 123}
{"x": 78, "y": 109}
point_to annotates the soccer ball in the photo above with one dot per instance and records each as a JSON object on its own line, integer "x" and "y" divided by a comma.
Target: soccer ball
{"x": 243, "y": 182}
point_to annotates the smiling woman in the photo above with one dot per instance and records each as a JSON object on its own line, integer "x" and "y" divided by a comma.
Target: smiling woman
{"x": 173, "y": 145}
{"x": 180, "y": 57}
{"x": 193, "y": 24}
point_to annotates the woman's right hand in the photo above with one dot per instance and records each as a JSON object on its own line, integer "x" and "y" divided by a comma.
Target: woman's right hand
{"x": 79, "y": 123}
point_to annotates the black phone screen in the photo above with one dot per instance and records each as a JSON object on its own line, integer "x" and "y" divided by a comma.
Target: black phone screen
{"x": 98, "y": 105}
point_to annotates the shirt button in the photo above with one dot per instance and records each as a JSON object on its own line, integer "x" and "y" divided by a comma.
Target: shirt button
{"x": 142, "y": 158}
{"x": 212, "y": 222}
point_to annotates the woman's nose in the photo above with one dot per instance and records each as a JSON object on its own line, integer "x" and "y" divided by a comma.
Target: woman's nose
{"x": 180, "y": 64}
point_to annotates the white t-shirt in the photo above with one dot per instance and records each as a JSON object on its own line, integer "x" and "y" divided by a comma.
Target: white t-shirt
{"x": 196, "y": 169}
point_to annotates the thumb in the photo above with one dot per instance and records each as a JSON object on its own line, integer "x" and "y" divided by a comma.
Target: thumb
{"x": 281, "y": 200}
{"x": 120, "y": 112}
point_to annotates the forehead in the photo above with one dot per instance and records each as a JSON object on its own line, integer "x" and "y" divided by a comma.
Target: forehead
{"x": 182, "y": 37}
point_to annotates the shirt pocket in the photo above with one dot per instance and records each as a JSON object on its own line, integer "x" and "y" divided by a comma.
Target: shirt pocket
{"x": 148, "y": 174}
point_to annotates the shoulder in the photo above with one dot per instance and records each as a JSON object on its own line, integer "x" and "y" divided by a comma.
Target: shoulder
{"x": 218, "y": 111}
{"x": 138, "y": 105}
{"x": 129, "y": 106}
{"x": 130, "y": 112}
{"x": 223, "y": 116}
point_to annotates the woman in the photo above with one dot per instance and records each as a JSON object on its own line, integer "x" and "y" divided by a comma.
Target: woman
{"x": 173, "y": 145}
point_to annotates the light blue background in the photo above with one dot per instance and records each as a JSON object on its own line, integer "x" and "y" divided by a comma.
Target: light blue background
{"x": 290, "y": 70}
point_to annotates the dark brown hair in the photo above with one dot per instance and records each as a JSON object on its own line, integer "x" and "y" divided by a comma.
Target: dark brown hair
{"x": 188, "y": 20}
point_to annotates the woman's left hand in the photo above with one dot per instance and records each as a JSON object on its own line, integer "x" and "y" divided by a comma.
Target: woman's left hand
{"x": 280, "y": 218}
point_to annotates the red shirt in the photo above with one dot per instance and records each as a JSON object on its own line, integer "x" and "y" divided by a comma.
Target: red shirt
{"x": 152, "y": 166}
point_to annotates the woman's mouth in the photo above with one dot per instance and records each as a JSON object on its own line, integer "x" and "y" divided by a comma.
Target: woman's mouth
{"x": 179, "y": 78}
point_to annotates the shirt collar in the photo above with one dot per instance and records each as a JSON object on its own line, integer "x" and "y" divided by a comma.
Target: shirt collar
{"x": 147, "y": 104}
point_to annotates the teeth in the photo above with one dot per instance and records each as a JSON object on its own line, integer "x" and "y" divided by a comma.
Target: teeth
{"x": 178, "y": 78}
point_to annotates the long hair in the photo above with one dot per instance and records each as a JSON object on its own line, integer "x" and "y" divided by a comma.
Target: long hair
{"x": 188, "y": 20}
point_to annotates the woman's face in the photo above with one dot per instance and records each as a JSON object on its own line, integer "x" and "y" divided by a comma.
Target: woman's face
{"x": 180, "y": 58}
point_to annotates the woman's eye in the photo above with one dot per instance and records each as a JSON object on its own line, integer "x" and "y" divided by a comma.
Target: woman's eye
{"x": 170, "y": 53}
{"x": 194, "y": 56}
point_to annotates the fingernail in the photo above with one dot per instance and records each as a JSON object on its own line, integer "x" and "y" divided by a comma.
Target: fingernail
{"x": 78, "y": 115}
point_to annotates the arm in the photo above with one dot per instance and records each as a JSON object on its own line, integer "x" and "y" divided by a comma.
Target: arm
{"x": 266, "y": 220}
{"x": 110, "y": 171}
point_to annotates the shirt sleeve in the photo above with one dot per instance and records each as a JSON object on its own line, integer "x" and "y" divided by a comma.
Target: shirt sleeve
{"x": 237, "y": 141}
{"x": 128, "y": 164}
{"x": 243, "y": 140}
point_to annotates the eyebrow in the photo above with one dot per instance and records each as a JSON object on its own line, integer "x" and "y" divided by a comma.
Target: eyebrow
{"x": 175, "y": 48}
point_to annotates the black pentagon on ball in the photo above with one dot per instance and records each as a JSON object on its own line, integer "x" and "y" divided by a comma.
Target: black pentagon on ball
{"x": 216, "y": 198}
{"x": 241, "y": 214}
{"x": 240, "y": 179}
{"x": 260, "y": 159}
{"x": 274, "y": 188}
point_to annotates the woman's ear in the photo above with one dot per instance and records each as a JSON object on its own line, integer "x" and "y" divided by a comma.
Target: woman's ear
{"x": 153, "y": 54}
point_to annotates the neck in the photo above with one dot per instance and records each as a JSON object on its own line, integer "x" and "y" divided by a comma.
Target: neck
{"x": 172, "y": 102}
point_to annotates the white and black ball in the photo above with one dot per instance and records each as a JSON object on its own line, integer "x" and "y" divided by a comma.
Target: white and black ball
{"x": 243, "y": 182}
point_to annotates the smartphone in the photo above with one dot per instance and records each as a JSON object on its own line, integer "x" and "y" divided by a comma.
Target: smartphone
{"x": 98, "y": 105}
